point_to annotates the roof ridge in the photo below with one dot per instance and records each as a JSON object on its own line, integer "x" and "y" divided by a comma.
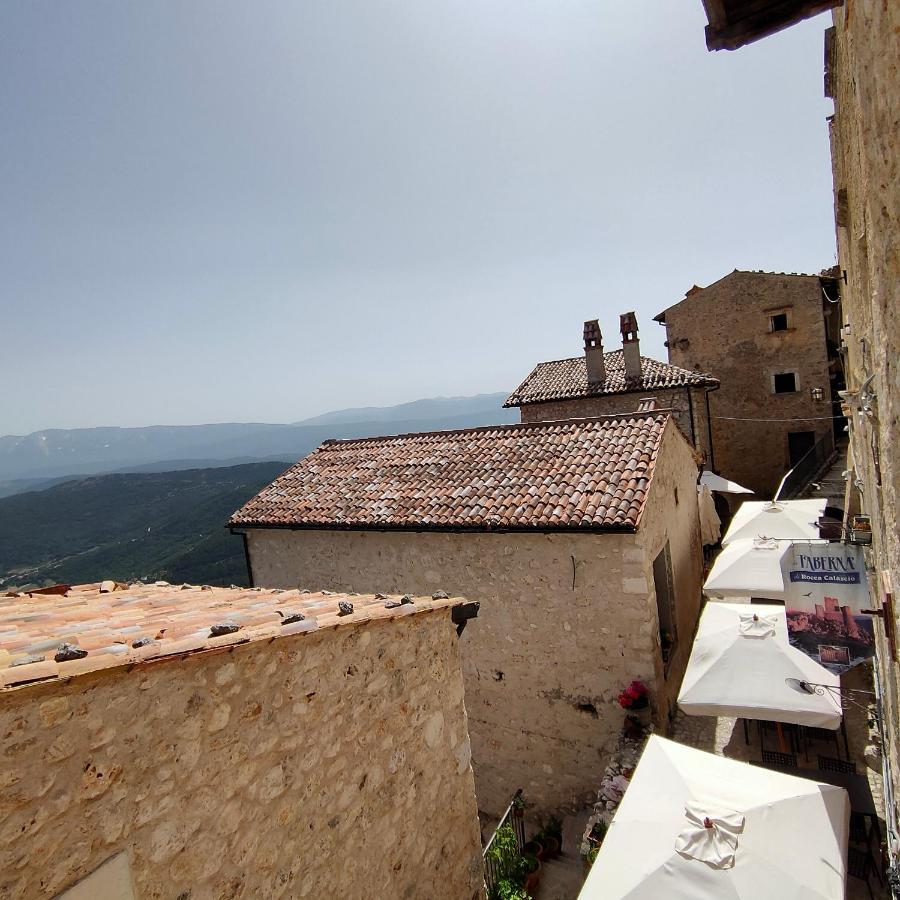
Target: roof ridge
{"x": 511, "y": 426}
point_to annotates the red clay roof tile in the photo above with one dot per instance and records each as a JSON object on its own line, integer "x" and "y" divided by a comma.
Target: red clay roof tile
{"x": 576, "y": 474}
{"x": 566, "y": 379}
{"x": 175, "y": 619}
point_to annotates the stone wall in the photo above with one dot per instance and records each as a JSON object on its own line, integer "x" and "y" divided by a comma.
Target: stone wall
{"x": 724, "y": 329}
{"x": 566, "y": 621}
{"x": 333, "y": 764}
{"x": 687, "y": 404}
{"x": 865, "y": 134}
{"x": 671, "y": 516}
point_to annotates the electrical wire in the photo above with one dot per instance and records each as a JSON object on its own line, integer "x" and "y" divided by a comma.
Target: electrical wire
{"x": 798, "y": 419}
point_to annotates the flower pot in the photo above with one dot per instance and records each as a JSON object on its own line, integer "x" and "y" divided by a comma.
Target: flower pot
{"x": 533, "y": 878}
{"x": 643, "y": 715}
{"x": 535, "y": 848}
{"x": 551, "y": 847}
{"x": 632, "y": 728}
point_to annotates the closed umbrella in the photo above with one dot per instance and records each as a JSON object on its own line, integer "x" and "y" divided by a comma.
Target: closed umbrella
{"x": 722, "y": 485}
{"x": 782, "y": 520}
{"x": 695, "y": 826}
{"x": 710, "y": 526}
{"x": 740, "y": 666}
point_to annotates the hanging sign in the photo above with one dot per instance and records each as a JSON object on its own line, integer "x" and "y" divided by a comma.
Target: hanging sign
{"x": 826, "y": 590}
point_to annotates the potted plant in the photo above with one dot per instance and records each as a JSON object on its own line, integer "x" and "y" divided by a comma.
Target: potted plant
{"x": 636, "y": 702}
{"x": 511, "y": 867}
{"x": 531, "y": 866}
{"x": 861, "y": 530}
{"x": 535, "y": 847}
{"x": 550, "y": 843}
{"x": 595, "y": 839}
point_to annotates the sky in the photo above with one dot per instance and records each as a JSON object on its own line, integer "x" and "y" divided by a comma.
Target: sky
{"x": 221, "y": 211}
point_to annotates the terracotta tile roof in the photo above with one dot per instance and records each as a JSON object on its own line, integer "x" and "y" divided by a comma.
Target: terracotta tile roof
{"x": 575, "y": 474}
{"x": 55, "y": 636}
{"x": 566, "y": 379}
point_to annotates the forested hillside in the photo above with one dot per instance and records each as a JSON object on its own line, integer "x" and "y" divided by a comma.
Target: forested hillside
{"x": 161, "y": 525}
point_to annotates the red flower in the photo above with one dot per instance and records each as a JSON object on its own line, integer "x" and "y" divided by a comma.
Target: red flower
{"x": 635, "y": 692}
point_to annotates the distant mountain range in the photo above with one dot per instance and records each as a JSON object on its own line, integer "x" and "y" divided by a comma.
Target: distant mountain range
{"x": 40, "y": 459}
{"x": 160, "y": 525}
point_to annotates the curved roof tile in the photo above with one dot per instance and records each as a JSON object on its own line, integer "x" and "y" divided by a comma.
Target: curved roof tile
{"x": 578, "y": 474}
{"x": 566, "y": 379}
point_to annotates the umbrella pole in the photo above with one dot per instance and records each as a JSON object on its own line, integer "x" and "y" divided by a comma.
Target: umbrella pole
{"x": 782, "y": 746}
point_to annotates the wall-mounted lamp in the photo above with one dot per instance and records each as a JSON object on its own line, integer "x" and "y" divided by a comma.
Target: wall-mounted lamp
{"x": 817, "y": 394}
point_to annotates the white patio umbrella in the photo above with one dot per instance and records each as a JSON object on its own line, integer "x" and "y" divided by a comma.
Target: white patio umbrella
{"x": 740, "y": 667}
{"x": 695, "y": 826}
{"x": 722, "y": 485}
{"x": 784, "y": 520}
{"x": 748, "y": 568}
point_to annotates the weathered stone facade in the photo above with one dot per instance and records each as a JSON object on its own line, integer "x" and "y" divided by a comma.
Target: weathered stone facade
{"x": 567, "y": 620}
{"x": 329, "y": 764}
{"x": 726, "y": 328}
{"x": 688, "y": 405}
{"x": 864, "y": 79}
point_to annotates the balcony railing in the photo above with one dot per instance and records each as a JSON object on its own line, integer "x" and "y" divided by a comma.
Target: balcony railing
{"x": 493, "y": 866}
{"x": 809, "y": 465}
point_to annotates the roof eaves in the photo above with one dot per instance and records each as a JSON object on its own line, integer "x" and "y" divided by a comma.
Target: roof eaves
{"x": 415, "y": 527}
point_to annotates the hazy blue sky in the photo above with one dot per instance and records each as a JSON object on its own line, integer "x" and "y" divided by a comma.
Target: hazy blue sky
{"x": 223, "y": 211}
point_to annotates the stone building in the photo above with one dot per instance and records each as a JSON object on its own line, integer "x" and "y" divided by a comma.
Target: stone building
{"x": 772, "y": 340}
{"x": 862, "y": 76}
{"x": 170, "y": 743}
{"x": 599, "y": 383}
{"x": 580, "y": 540}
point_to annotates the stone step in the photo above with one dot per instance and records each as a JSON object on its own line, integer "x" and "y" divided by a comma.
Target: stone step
{"x": 561, "y": 878}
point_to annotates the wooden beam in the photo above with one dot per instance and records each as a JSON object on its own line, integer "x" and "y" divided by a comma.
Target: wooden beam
{"x": 752, "y": 20}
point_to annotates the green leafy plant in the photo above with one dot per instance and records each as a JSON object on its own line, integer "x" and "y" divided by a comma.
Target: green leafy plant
{"x": 511, "y": 866}
{"x": 507, "y": 890}
{"x": 554, "y": 827}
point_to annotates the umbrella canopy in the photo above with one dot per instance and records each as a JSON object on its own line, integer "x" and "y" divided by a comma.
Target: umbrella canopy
{"x": 748, "y": 568}
{"x": 722, "y": 485}
{"x": 768, "y": 834}
{"x": 784, "y": 520}
{"x": 739, "y": 667}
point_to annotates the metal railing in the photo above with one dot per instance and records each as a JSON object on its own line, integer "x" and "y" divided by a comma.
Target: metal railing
{"x": 514, "y": 817}
{"x": 810, "y": 464}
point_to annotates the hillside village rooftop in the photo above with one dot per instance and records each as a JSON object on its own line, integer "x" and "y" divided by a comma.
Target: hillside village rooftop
{"x": 89, "y": 627}
{"x": 567, "y": 379}
{"x": 586, "y": 474}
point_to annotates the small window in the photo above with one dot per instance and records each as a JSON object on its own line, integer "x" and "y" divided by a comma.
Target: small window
{"x": 778, "y": 322}
{"x": 665, "y": 603}
{"x": 784, "y": 383}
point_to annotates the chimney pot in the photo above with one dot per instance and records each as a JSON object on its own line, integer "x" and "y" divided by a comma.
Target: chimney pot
{"x": 631, "y": 347}
{"x": 593, "y": 353}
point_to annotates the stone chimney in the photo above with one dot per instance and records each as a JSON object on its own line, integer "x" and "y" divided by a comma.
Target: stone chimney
{"x": 631, "y": 347}
{"x": 593, "y": 353}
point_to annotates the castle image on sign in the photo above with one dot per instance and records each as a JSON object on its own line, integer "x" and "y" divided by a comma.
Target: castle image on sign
{"x": 832, "y": 634}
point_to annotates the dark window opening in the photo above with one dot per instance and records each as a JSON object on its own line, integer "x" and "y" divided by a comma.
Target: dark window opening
{"x": 779, "y": 322}
{"x": 665, "y": 603}
{"x": 785, "y": 383}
